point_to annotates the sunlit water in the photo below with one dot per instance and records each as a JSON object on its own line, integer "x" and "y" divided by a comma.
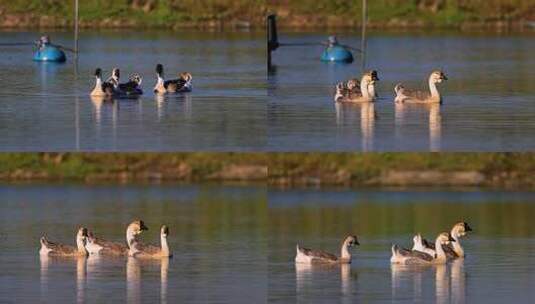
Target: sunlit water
{"x": 499, "y": 267}
{"x": 489, "y": 99}
{"x": 216, "y": 235}
{"x": 46, "y": 106}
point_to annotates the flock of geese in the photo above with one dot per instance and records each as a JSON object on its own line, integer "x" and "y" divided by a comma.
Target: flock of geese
{"x": 447, "y": 247}
{"x": 363, "y": 91}
{"x": 88, "y": 244}
{"x": 112, "y": 87}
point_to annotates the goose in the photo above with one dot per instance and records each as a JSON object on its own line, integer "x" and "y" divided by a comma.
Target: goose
{"x": 138, "y": 249}
{"x": 97, "y": 245}
{"x": 352, "y": 94}
{"x": 406, "y": 256}
{"x": 309, "y": 256}
{"x": 433, "y": 96}
{"x": 453, "y": 251}
{"x": 181, "y": 84}
{"x": 131, "y": 88}
{"x": 56, "y": 249}
{"x": 354, "y": 85}
{"x": 101, "y": 88}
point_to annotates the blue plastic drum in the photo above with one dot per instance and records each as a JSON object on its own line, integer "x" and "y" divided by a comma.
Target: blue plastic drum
{"x": 50, "y": 54}
{"x": 337, "y": 54}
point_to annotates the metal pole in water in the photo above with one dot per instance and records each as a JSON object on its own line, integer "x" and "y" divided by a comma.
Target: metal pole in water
{"x": 76, "y": 7}
{"x": 363, "y": 35}
{"x": 272, "y": 37}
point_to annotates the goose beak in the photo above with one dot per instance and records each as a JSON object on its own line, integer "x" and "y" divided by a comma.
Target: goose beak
{"x": 356, "y": 243}
{"x": 444, "y": 77}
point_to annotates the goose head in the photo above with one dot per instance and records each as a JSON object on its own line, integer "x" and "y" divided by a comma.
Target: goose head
{"x": 373, "y": 75}
{"x": 351, "y": 241}
{"x": 159, "y": 70}
{"x": 437, "y": 76}
{"x": 98, "y": 73}
{"x": 445, "y": 238}
{"x": 116, "y": 74}
{"x": 136, "y": 78}
{"x": 164, "y": 231}
{"x": 185, "y": 76}
{"x": 461, "y": 229}
{"x": 136, "y": 227}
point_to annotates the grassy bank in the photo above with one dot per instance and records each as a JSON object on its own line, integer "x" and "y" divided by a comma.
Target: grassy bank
{"x": 279, "y": 169}
{"x": 405, "y": 13}
{"x": 133, "y": 13}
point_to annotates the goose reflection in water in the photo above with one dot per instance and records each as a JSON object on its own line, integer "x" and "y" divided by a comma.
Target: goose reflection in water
{"x": 162, "y": 107}
{"x": 308, "y": 275}
{"x": 133, "y": 278}
{"x": 435, "y": 122}
{"x": 448, "y": 288}
{"x": 347, "y": 114}
{"x": 46, "y": 264}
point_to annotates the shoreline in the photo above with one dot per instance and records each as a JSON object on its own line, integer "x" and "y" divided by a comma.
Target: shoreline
{"x": 281, "y": 170}
{"x": 297, "y": 23}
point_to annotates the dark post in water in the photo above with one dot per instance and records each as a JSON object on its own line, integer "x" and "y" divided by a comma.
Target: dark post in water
{"x": 272, "y": 39}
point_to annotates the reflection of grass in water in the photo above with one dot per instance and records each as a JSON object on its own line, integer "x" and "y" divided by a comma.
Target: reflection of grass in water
{"x": 385, "y": 219}
{"x": 360, "y": 166}
{"x": 366, "y": 165}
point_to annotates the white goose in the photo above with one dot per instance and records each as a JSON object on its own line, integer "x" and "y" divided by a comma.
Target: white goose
{"x": 309, "y": 256}
{"x": 406, "y": 256}
{"x": 57, "y": 249}
{"x": 140, "y": 250}
{"x": 433, "y": 96}
{"x": 453, "y": 251}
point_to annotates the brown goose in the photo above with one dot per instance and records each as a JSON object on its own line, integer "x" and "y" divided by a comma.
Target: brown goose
{"x": 57, "y": 249}
{"x": 406, "y": 256}
{"x": 309, "y": 256}
{"x": 453, "y": 250}
{"x": 410, "y": 96}
{"x": 140, "y": 250}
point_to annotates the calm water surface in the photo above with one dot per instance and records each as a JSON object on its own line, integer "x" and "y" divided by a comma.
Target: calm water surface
{"x": 46, "y": 106}
{"x": 499, "y": 267}
{"x": 489, "y": 99}
{"x": 217, "y": 235}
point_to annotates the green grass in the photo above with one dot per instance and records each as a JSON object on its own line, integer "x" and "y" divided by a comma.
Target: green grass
{"x": 160, "y": 13}
{"x": 452, "y": 12}
{"x": 360, "y": 166}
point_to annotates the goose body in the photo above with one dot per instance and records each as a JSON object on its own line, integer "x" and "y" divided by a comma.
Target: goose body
{"x": 181, "y": 84}
{"x": 102, "y": 88}
{"x": 408, "y": 257}
{"x": 453, "y": 250}
{"x": 140, "y": 250}
{"x": 132, "y": 88}
{"x": 405, "y": 95}
{"x": 309, "y": 256}
{"x": 355, "y": 91}
{"x": 100, "y": 246}
{"x": 49, "y": 248}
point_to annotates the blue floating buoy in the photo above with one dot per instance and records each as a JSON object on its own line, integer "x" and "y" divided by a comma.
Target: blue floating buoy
{"x": 50, "y": 54}
{"x": 337, "y": 53}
